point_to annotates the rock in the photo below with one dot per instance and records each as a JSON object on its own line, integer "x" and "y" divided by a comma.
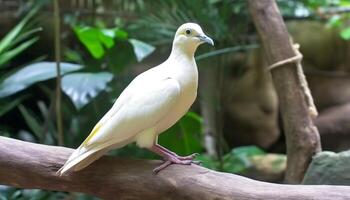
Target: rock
{"x": 329, "y": 168}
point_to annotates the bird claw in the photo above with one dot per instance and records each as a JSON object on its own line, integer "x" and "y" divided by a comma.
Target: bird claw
{"x": 162, "y": 166}
{"x": 189, "y": 157}
{"x": 175, "y": 160}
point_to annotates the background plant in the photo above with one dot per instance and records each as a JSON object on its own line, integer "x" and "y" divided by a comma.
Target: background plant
{"x": 99, "y": 55}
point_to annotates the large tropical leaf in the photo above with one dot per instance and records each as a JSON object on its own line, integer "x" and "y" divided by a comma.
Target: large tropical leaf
{"x": 90, "y": 38}
{"x": 185, "y": 137}
{"x": 345, "y": 34}
{"x": 83, "y": 87}
{"x": 31, "y": 74}
{"x": 239, "y": 159}
{"x": 6, "y": 106}
{"x": 97, "y": 39}
{"x": 141, "y": 49}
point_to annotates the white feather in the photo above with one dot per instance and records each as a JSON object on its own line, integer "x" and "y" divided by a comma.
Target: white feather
{"x": 152, "y": 102}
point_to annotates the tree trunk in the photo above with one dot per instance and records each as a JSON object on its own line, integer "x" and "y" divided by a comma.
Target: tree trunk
{"x": 210, "y": 94}
{"x": 28, "y": 165}
{"x": 208, "y": 102}
{"x": 302, "y": 136}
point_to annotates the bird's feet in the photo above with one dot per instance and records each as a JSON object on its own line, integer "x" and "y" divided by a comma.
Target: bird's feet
{"x": 170, "y": 158}
{"x": 189, "y": 157}
{"x": 186, "y": 160}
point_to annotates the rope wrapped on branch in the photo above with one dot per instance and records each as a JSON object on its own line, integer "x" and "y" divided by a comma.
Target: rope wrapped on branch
{"x": 302, "y": 79}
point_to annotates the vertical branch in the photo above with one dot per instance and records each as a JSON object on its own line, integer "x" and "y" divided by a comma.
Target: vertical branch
{"x": 302, "y": 136}
{"x": 208, "y": 108}
{"x": 211, "y": 94}
{"x": 59, "y": 122}
{"x": 220, "y": 142}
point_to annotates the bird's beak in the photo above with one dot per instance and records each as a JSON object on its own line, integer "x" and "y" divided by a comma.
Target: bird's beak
{"x": 206, "y": 39}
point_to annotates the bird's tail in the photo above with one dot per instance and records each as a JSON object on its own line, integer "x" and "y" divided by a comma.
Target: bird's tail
{"x": 84, "y": 156}
{"x": 80, "y": 159}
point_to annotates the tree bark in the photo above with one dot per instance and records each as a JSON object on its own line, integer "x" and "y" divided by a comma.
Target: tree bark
{"x": 28, "y": 165}
{"x": 208, "y": 101}
{"x": 302, "y": 136}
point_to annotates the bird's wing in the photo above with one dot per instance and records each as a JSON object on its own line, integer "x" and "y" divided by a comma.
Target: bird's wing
{"x": 142, "y": 105}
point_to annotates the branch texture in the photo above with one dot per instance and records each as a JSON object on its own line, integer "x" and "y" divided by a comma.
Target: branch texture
{"x": 302, "y": 137}
{"x": 28, "y": 165}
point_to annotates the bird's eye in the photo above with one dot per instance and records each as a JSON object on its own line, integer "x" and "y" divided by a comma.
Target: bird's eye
{"x": 188, "y": 32}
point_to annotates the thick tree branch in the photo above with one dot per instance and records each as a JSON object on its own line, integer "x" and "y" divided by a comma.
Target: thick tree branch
{"x": 302, "y": 137}
{"x": 28, "y": 165}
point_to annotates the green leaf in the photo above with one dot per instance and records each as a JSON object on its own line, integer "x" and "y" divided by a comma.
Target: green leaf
{"x": 335, "y": 21}
{"x": 73, "y": 56}
{"x": 95, "y": 39}
{"x": 31, "y": 121}
{"x": 31, "y": 74}
{"x": 8, "y": 55}
{"x": 24, "y": 36}
{"x": 238, "y": 160}
{"x": 133, "y": 151}
{"x": 120, "y": 34}
{"x": 11, "y": 36}
{"x": 5, "y": 107}
{"x": 120, "y": 56}
{"x": 107, "y": 38}
{"x": 345, "y": 33}
{"x": 141, "y": 49}
{"x": 247, "y": 151}
{"x": 344, "y": 3}
{"x": 83, "y": 87}
{"x": 90, "y": 37}
{"x": 208, "y": 162}
{"x": 3, "y": 197}
{"x": 185, "y": 136}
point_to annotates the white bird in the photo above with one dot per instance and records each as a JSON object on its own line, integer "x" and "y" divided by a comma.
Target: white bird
{"x": 153, "y": 102}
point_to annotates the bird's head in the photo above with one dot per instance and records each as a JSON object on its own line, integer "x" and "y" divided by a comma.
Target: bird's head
{"x": 189, "y": 36}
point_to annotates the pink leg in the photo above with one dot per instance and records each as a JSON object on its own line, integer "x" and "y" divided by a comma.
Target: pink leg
{"x": 169, "y": 157}
{"x": 190, "y": 157}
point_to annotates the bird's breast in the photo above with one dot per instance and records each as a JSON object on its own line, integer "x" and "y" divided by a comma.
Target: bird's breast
{"x": 188, "y": 80}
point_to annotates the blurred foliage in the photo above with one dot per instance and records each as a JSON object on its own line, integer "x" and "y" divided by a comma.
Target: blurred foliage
{"x": 215, "y": 16}
{"x": 336, "y": 12}
{"x": 16, "y": 41}
{"x": 84, "y": 87}
{"x": 98, "y": 54}
{"x": 341, "y": 22}
{"x": 20, "y": 38}
{"x": 95, "y": 39}
{"x": 185, "y": 137}
{"x": 237, "y": 161}
{"x": 31, "y": 74}
{"x": 10, "y": 193}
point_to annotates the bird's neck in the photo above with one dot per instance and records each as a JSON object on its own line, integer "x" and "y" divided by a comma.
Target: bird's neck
{"x": 182, "y": 56}
{"x": 183, "y": 50}
{"x": 184, "y": 66}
